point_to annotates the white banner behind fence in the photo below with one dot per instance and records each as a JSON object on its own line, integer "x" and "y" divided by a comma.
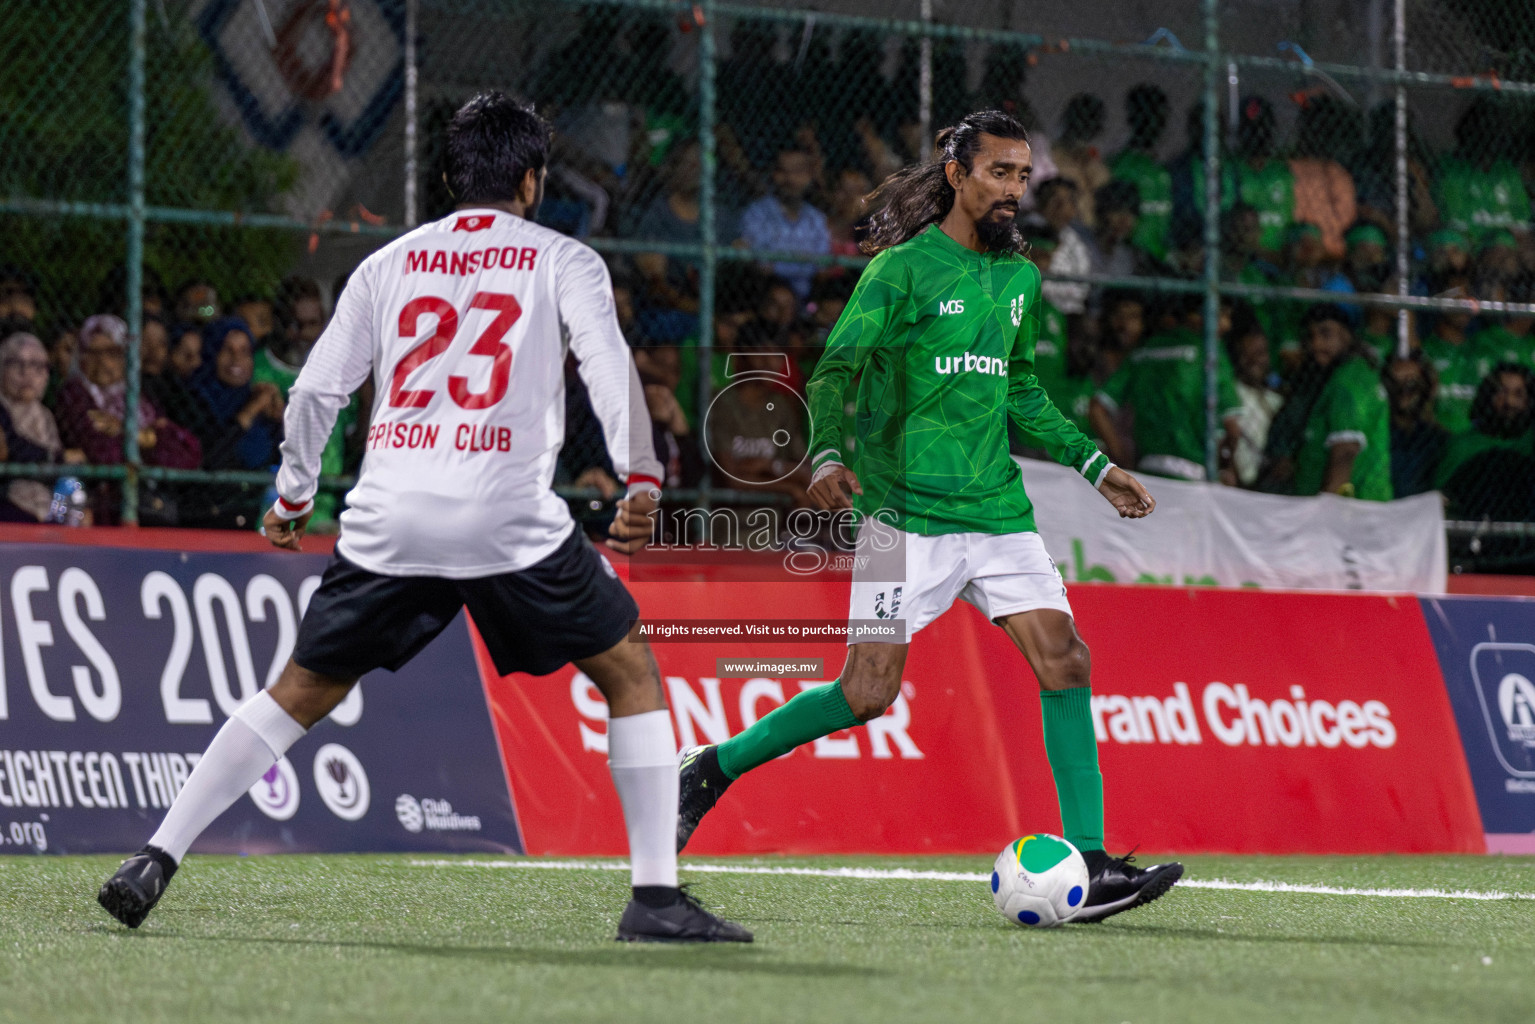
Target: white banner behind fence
{"x": 1207, "y": 535}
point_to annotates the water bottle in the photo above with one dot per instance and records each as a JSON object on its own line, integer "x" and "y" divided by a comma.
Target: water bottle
{"x": 69, "y": 501}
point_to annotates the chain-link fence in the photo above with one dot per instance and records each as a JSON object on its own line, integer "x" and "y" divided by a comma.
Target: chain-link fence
{"x": 1320, "y": 212}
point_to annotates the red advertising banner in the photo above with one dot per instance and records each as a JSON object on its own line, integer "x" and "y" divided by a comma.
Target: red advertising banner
{"x": 1234, "y": 721}
{"x": 1261, "y": 722}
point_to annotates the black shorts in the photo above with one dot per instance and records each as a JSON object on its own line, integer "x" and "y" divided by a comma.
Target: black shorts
{"x": 570, "y": 605}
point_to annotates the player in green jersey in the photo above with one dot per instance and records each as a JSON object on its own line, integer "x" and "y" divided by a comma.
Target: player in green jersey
{"x": 1346, "y": 447}
{"x": 940, "y": 334}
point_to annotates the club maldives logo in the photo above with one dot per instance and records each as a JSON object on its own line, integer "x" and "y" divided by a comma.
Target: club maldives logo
{"x": 275, "y": 794}
{"x": 408, "y": 809}
{"x": 341, "y": 781}
{"x": 432, "y": 815}
{"x": 1502, "y": 674}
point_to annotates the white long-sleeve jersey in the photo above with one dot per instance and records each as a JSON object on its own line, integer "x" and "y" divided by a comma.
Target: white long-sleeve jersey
{"x": 463, "y": 324}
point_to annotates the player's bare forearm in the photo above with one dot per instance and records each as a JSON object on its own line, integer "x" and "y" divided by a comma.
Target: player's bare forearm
{"x": 285, "y": 533}
{"x": 634, "y": 522}
{"x": 833, "y": 490}
{"x": 1129, "y": 498}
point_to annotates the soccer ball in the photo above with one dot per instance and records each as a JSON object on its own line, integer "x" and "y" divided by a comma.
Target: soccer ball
{"x": 1039, "y": 881}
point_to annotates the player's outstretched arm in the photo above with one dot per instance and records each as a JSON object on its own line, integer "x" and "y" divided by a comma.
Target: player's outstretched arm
{"x": 337, "y": 365}
{"x": 1126, "y": 494}
{"x": 584, "y": 292}
{"x": 879, "y": 300}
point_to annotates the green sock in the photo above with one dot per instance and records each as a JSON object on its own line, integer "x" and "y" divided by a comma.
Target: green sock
{"x": 813, "y": 714}
{"x": 1073, "y": 752}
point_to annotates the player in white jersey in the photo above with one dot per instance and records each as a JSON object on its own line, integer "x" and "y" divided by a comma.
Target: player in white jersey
{"x": 463, "y": 326}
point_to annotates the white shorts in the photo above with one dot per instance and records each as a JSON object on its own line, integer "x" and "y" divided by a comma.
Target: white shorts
{"x": 912, "y": 579}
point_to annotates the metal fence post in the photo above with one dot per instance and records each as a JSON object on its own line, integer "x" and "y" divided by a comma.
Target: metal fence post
{"x": 135, "y": 260}
{"x": 707, "y": 69}
{"x": 925, "y": 84}
{"x": 1403, "y": 234}
{"x": 411, "y": 13}
{"x": 1212, "y": 209}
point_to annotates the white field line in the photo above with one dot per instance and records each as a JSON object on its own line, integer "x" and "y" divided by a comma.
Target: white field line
{"x": 906, "y": 874}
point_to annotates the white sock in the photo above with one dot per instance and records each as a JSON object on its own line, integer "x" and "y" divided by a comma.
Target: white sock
{"x": 642, "y": 756}
{"x": 256, "y": 735}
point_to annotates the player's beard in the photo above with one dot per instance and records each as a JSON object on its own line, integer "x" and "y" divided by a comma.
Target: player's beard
{"x": 999, "y": 234}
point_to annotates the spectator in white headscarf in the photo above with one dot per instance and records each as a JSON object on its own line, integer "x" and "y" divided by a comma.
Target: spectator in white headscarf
{"x": 27, "y": 429}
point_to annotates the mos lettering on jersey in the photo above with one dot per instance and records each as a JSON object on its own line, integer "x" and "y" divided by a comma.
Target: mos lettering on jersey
{"x": 970, "y": 363}
{"x": 462, "y": 264}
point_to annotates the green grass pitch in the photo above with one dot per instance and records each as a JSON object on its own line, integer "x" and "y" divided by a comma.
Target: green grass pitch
{"x": 390, "y": 938}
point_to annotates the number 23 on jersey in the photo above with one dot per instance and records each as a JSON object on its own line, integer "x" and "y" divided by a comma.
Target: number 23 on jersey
{"x": 491, "y": 344}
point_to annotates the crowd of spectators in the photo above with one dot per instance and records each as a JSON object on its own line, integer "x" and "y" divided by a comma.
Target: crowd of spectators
{"x": 214, "y": 379}
{"x": 1312, "y": 396}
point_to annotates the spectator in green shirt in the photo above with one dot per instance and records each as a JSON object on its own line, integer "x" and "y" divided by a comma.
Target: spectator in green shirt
{"x": 1243, "y": 261}
{"x": 1262, "y": 181}
{"x": 1122, "y": 326}
{"x": 1164, "y": 382}
{"x": 1479, "y": 188}
{"x": 1487, "y": 469}
{"x": 1146, "y": 110}
{"x": 1460, "y": 363}
{"x": 1368, "y": 262}
{"x": 1378, "y": 333}
{"x": 1448, "y": 255}
{"x": 1497, "y": 256}
{"x": 1504, "y": 339}
{"x": 1346, "y": 445}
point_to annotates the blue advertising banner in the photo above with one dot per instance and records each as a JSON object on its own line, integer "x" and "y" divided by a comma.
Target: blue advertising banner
{"x": 1486, "y": 649}
{"x": 118, "y": 665}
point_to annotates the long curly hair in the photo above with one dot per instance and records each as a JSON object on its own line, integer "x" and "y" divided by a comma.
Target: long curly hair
{"x": 916, "y": 196}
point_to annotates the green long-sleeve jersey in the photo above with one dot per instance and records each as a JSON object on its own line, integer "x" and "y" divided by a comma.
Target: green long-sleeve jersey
{"x": 941, "y": 340}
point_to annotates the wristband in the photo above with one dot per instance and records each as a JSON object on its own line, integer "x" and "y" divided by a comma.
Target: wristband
{"x": 825, "y": 470}
{"x": 287, "y": 511}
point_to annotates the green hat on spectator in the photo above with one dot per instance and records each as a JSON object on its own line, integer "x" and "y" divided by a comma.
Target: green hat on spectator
{"x": 1364, "y": 234}
{"x": 1495, "y": 239}
{"x": 1448, "y": 238}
